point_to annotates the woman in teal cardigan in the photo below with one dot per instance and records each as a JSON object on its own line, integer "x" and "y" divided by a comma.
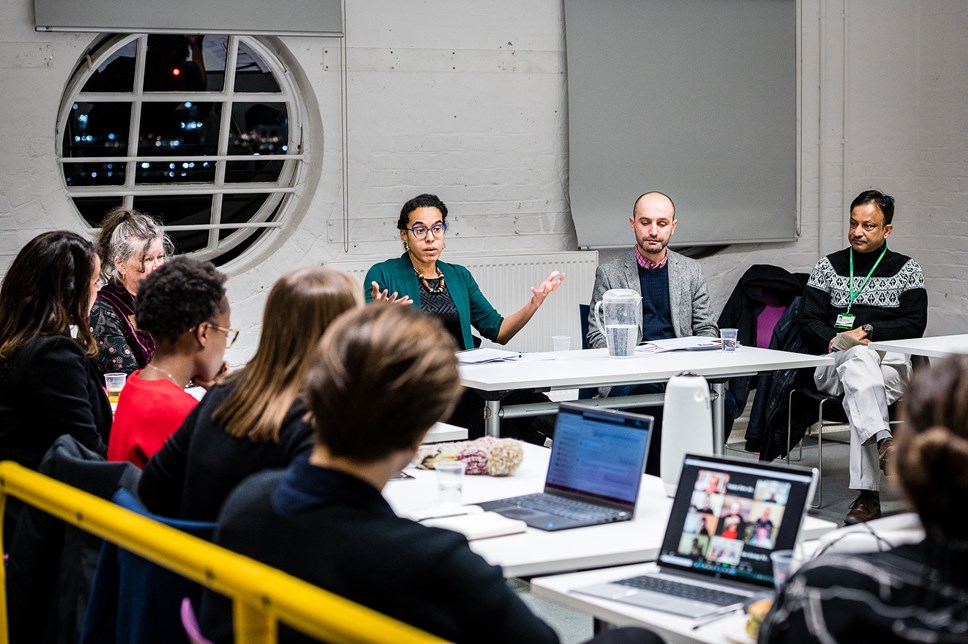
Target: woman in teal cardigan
{"x": 447, "y": 291}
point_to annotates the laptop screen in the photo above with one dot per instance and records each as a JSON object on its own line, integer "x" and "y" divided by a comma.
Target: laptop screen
{"x": 598, "y": 453}
{"x": 728, "y": 516}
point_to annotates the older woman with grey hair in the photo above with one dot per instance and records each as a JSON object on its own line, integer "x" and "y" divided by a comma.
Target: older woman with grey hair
{"x": 131, "y": 245}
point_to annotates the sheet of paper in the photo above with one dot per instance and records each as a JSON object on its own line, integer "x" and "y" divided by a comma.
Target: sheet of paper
{"x": 688, "y": 343}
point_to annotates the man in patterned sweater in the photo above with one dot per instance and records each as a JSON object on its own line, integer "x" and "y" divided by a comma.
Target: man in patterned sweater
{"x": 863, "y": 292}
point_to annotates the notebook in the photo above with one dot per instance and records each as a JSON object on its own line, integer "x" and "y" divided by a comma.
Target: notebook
{"x": 727, "y": 517}
{"x": 594, "y": 471}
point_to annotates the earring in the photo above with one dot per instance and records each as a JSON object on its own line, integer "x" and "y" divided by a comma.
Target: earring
{"x": 406, "y": 247}
{"x": 443, "y": 246}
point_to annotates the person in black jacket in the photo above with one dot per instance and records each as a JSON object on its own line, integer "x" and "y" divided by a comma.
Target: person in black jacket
{"x": 49, "y": 385}
{"x": 379, "y": 379}
{"x": 865, "y": 291}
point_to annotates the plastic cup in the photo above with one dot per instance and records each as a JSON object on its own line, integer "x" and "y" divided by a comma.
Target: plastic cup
{"x": 560, "y": 343}
{"x": 114, "y": 383}
{"x": 728, "y": 336}
{"x": 785, "y": 563}
{"x": 450, "y": 482}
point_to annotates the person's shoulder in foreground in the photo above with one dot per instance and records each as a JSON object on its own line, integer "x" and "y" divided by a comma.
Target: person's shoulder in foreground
{"x": 338, "y": 531}
{"x": 915, "y": 592}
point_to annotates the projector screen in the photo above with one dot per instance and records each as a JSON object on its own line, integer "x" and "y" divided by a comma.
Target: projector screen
{"x": 694, "y": 98}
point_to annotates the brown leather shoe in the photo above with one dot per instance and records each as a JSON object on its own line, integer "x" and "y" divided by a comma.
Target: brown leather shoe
{"x": 865, "y": 507}
{"x": 885, "y": 455}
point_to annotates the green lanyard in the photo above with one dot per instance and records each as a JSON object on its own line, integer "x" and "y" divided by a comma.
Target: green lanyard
{"x": 853, "y": 295}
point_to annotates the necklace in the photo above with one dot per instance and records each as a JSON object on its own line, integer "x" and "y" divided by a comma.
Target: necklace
{"x": 164, "y": 373}
{"x": 437, "y": 288}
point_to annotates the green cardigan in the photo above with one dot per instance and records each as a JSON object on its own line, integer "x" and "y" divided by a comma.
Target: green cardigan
{"x": 472, "y": 307}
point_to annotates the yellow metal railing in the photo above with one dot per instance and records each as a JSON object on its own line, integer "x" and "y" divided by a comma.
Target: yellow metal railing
{"x": 261, "y": 596}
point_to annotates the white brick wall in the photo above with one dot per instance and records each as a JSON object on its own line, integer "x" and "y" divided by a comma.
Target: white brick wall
{"x": 468, "y": 99}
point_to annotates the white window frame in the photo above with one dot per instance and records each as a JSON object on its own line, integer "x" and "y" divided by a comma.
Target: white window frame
{"x": 282, "y": 192}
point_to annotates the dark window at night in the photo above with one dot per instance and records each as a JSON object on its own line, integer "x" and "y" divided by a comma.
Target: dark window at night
{"x": 175, "y": 125}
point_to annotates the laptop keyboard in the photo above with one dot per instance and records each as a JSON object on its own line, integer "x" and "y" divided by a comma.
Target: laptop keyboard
{"x": 568, "y": 508}
{"x": 686, "y": 591}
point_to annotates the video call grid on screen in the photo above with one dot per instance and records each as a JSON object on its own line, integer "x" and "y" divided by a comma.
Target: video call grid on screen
{"x": 601, "y": 454}
{"x": 729, "y": 518}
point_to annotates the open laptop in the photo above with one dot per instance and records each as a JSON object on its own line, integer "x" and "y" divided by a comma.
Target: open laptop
{"x": 727, "y": 517}
{"x": 594, "y": 472}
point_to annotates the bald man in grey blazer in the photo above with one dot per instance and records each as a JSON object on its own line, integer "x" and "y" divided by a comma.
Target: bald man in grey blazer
{"x": 675, "y": 302}
{"x": 653, "y": 222}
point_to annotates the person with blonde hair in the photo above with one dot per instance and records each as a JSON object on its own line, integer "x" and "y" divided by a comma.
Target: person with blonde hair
{"x": 255, "y": 419}
{"x": 914, "y": 592}
{"x": 131, "y": 245}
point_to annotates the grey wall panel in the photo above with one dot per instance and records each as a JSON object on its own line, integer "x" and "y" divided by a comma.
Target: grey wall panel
{"x": 696, "y": 98}
{"x": 279, "y": 17}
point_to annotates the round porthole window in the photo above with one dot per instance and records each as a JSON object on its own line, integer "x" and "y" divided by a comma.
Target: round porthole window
{"x": 203, "y": 132}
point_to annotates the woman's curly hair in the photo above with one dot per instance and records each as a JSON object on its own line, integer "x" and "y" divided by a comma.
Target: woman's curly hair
{"x": 179, "y": 296}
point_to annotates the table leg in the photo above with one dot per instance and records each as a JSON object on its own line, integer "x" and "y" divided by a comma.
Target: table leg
{"x": 718, "y": 409}
{"x": 492, "y": 418}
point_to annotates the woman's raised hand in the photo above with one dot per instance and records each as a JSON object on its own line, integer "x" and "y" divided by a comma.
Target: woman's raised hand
{"x": 550, "y": 285}
{"x": 385, "y": 296}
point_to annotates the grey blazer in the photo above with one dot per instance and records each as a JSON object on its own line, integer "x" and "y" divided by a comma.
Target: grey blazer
{"x": 688, "y": 298}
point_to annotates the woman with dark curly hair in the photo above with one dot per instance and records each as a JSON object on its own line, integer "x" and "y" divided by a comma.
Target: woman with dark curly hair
{"x": 914, "y": 592}
{"x": 256, "y": 418}
{"x": 48, "y": 383}
{"x": 131, "y": 245}
{"x": 183, "y": 306}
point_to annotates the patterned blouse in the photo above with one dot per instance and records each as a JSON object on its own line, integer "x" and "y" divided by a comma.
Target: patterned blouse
{"x": 121, "y": 347}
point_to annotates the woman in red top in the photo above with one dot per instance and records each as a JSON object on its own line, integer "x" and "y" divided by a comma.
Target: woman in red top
{"x": 183, "y": 306}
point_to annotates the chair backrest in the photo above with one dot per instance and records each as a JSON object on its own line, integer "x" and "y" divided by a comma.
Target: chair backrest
{"x": 190, "y": 623}
{"x": 134, "y": 600}
{"x": 585, "y": 393}
{"x": 774, "y": 307}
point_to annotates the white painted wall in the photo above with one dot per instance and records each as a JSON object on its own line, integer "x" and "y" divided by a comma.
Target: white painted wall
{"x": 468, "y": 99}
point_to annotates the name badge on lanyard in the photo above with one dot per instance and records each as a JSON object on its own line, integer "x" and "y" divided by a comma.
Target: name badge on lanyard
{"x": 845, "y": 321}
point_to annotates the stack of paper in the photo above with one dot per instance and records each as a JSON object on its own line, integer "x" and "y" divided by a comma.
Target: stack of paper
{"x": 689, "y": 343}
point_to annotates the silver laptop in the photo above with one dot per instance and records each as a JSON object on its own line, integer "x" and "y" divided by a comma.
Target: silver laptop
{"x": 727, "y": 517}
{"x": 594, "y": 471}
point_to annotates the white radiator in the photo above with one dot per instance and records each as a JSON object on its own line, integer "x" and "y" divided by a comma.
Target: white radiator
{"x": 506, "y": 281}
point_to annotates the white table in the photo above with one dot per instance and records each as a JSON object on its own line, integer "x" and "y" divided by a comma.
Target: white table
{"x": 935, "y": 347}
{"x": 594, "y": 368}
{"x": 672, "y": 628}
{"x": 537, "y": 552}
{"x": 444, "y": 432}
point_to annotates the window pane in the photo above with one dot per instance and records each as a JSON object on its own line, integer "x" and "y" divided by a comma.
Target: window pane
{"x": 251, "y": 72}
{"x": 181, "y": 210}
{"x": 263, "y": 128}
{"x": 97, "y": 129}
{"x": 253, "y": 170}
{"x": 178, "y": 128}
{"x": 238, "y": 209}
{"x": 169, "y": 66}
{"x": 93, "y": 209}
{"x": 194, "y": 171}
{"x": 214, "y": 49}
{"x": 94, "y": 174}
{"x": 116, "y": 73}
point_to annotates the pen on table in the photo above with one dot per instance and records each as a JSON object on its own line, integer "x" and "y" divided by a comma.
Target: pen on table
{"x": 719, "y": 614}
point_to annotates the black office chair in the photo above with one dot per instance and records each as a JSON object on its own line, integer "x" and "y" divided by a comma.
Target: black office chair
{"x": 830, "y": 412}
